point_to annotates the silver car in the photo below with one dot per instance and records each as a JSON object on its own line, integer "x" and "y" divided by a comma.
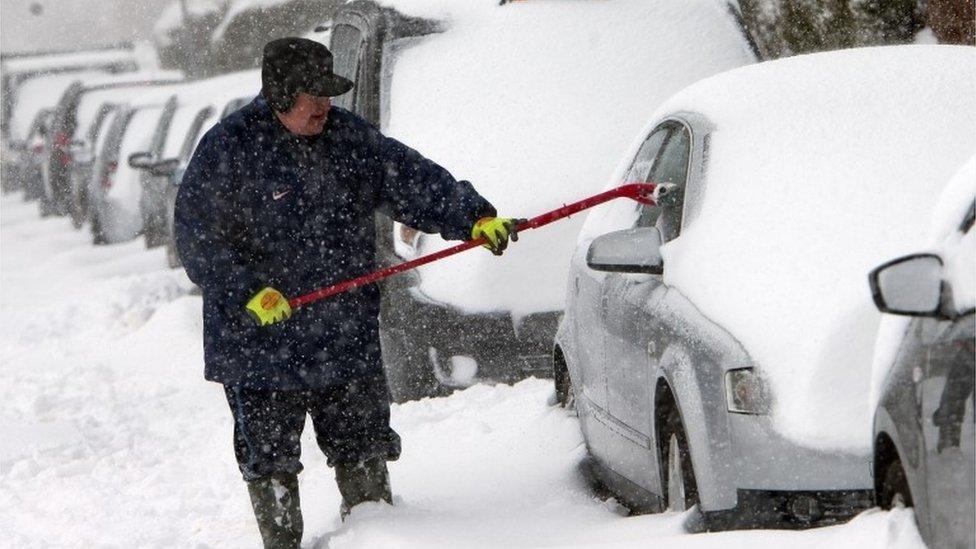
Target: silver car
{"x": 924, "y": 431}
{"x": 678, "y": 401}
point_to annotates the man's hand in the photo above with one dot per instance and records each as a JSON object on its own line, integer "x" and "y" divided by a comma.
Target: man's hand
{"x": 496, "y": 231}
{"x": 269, "y": 307}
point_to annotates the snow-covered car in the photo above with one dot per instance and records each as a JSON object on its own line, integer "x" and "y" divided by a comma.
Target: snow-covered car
{"x": 185, "y": 114}
{"x": 88, "y": 110}
{"x": 174, "y": 168}
{"x": 718, "y": 346}
{"x": 113, "y": 190}
{"x": 535, "y": 113}
{"x": 31, "y": 96}
{"x": 17, "y": 69}
{"x": 923, "y": 425}
{"x": 72, "y": 111}
{"x": 30, "y": 157}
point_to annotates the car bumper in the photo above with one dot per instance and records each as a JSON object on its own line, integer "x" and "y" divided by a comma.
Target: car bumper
{"x": 765, "y": 460}
{"x": 785, "y": 509}
{"x": 465, "y": 348}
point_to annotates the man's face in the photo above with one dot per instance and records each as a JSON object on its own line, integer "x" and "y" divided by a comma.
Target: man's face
{"x": 307, "y": 116}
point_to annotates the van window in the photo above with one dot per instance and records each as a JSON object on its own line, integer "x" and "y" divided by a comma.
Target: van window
{"x": 346, "y": 42}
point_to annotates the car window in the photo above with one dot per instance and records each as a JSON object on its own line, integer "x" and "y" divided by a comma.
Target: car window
{"x": 347, "y": 42}
{"x": 96, "y": 125}
{"x": 672, "y": 167}
{"x": 176, "y": 134}
{"x": 640, "y": 168}
{"x": 663, "y": 158}
{"x": 967, "y": 223}
{"x": 364, "y": 104}
{"x": 191, "y": 135}
{"x": 102, "y": 135}
{"x": 160, "y": 135}
{"x": 233, "y": 105}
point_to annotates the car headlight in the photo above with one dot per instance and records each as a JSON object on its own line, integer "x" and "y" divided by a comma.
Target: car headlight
{"x": 745, "y": 392}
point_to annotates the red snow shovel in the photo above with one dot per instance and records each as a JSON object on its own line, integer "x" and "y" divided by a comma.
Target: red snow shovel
{"x": 645, "y": 193}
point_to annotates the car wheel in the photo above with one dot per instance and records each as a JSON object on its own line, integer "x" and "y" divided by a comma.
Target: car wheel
{"x": 45, "y": 207}
{"x": 895, "y": 491}
{"x": 679, "y": 486}
{"x": 98, "y": 235}
{"x": 565, "y": 396}
{"x": 172, "y": 257}
{"x": 409, "y": 372}
{"x": 79, "y": 209}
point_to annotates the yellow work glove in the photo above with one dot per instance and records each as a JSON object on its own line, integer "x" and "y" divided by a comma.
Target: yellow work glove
{"x": 269, "y": 307}
{"x": 496, "y": 231}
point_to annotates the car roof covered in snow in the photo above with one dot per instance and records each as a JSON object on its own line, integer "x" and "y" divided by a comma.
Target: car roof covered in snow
{"x": 534, "y": 103}
{"x": 41, "y": 92}
{"x": 59, "y": 61}
{"x": 820, "y": 167}
{"x": 220, "y": 89}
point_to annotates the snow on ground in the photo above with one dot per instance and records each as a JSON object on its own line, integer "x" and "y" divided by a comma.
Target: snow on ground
{"x": 110, "y": 437}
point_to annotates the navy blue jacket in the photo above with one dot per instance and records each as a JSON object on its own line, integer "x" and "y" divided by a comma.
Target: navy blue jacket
{"x": 259, "y": 206}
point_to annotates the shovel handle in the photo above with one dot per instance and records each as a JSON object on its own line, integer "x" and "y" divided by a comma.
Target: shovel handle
{"x": 645, "y": 193}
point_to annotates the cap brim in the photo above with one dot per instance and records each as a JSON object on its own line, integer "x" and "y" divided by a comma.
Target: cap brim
{"x": 329, "y": 85}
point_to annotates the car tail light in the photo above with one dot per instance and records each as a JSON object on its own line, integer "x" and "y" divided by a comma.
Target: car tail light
{"x": 110, "y": 170}
{"x": 745, "y": 392}
{"x": 61, "y": 139}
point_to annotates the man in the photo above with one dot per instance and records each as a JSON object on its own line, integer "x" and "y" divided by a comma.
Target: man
{"x": 279, "y": 200}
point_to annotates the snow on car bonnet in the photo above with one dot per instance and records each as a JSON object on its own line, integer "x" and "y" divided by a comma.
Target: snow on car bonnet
{"x": 534, "y": 103}
{"x": 820, "y": 168}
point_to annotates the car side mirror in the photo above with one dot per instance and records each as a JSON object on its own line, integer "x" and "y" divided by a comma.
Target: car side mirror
{"x": 164, "y": 168}
{"x": 140, "y": 160}
{"x": 628, "y": 251}
{"x": 909, "y": 286}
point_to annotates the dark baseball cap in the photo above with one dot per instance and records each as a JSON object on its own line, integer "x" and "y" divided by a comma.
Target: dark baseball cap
{"x": 292, "y": 65}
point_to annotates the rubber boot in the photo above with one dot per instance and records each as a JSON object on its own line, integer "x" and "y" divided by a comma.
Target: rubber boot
{"x": 362, "y": 482}
{"x": 277, "y": 510}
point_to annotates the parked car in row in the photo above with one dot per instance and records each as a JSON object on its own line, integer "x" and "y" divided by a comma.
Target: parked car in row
{"x": 28, "y": 157}
{"x": 17, "y": 69}
{"x": 192, "y": 109}
{"x": 528, "y": 147}
{"x": 114, "y": 190}
{"x": 89, "y": 108}
{"x": 923, "y": 424}
{"x": 173, "y": 167}
{"x": 718, "y": 346}
{"x": 66, "y": 123}
{"x": 32, "y": 96}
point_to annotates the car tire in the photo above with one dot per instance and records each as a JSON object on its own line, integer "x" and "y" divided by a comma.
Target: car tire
{"x": 79, "y": 209}
{"x": 409, "y": 373}
{"x": 679, "y": 488}
{"x": 565, "y": 395}
{"x": 98, "y": 235}
{"x": 172, "y": 256}
{"x": 894, "y": 490}
{"x": 45, "y": 207}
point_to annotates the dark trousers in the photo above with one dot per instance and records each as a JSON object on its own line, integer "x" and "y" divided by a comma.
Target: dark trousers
{"x": 351, "y": 422}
